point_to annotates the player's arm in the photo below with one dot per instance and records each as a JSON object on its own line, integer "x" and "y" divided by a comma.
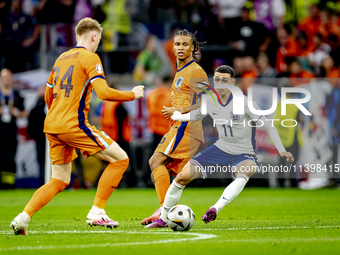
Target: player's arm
{"x": 274, "y": 135}
{"x": 169, "y": 111}
{"x": 272, "y": 132}
{"x": 104, "y": 92}
{"x": 198, "y": 80}
{"x": 49, "y": 91}
{"x": 95, "y": 72}
{"x": 190, "y": 116}
{"x": 189, "y": 108}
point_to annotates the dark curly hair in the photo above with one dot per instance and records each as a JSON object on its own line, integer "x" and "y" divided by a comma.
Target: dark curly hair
{"x": 194, "y": 40}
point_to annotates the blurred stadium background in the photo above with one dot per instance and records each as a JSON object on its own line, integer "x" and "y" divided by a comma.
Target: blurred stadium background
{"x": 269, "y": 43}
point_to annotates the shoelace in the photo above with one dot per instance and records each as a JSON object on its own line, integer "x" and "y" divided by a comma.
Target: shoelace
{"x": 104, "y": 216}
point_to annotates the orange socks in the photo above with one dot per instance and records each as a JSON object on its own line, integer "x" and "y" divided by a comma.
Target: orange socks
{"x": 109, "y": 181}
{"x": 162, "y": 182}
{"x": 43, "y": 195}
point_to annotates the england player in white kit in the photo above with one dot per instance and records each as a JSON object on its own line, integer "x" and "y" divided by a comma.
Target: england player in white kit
{"x": 235, "y": 148}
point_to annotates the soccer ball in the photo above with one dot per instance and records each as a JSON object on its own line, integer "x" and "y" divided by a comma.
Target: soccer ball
{"x": 181, "y": 218}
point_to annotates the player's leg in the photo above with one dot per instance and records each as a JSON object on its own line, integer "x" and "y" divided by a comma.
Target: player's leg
{"x": 113, "y": 173}
{"x": 173, "y": 152}
{"x": 244, "y": 170}
{"x": 174, "y": 193}
{"x": 92, "y": 142}
{"x": 61, "y": 157}
{"x": 158, "y": 163}
{"x": 161, "y": 178}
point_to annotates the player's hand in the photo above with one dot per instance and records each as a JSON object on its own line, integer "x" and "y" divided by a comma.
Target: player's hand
{"x": 0, "y": 110}
{"x": 288, "y": 156}
{"x": 176, "y": 115}
{"x": 139, "y": 91}
{"x": 168, "y": 111}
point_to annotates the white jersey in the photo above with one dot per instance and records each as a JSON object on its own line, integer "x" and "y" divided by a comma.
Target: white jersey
{"x": 236, "y": 132}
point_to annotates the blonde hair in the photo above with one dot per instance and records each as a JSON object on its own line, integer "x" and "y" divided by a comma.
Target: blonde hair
{"x": 87, "y": 24}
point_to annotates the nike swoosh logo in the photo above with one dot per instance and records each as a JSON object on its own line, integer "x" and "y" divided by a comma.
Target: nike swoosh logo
{"x": 225, "y": 198}
{"x": 214, "y": 113}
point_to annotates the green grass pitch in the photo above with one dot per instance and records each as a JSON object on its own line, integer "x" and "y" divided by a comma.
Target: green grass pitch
{"x": 259, "y": 221}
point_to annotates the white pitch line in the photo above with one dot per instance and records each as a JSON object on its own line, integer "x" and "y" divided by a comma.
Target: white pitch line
{"x": 280, "y": 240}
{"x": 197, "y": 236}
{"x": 6, "y": 232}
{"x": 269, "y": 228}
{"x": 88, "y": 232}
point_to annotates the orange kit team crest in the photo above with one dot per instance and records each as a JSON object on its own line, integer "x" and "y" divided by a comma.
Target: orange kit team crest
{"x": 184, "y": 138}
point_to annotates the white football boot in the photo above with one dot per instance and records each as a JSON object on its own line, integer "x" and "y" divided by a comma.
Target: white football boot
{"x": 99, "y": 218}
{"x": 18, "y": 225}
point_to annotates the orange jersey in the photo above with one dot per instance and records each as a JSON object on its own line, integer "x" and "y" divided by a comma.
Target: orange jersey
{"x": 69, "y": 86}
{"x": 156, "y": 99}
{"x": 186, "y": 87}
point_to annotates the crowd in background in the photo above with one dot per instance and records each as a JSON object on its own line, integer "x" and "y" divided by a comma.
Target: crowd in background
{"x": 242, "y": 28}
{"x": 260, "y": 39}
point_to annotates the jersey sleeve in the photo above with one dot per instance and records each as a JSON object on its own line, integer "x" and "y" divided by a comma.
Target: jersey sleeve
{"x": 50, "y": 80}
{"x": 95, "y": 72}
{"x": 94, "y": 68}
{"x": 273, "y": 134}
{"x": 104, "y": 92}
{"x": 199, "y": 81}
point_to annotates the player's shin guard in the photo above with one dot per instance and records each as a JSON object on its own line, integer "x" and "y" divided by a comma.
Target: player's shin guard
{"x": 109, "y": 181}
{"x": 231, "y": 191}
{"x": 162, "y": 182}
{"x": 171, "y": 199}
{"x": 44, "y": 195}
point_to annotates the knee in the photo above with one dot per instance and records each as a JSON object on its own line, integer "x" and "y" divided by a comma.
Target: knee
{"x": 153, "y": 162}
{"x": 245, "y": 175}
{"x": 121, "y": 156}
{"x": 152, "y": 178}
{"x": 181, "y": 179}
{"x": 64, "y": 178}
{"x": 124, "y": 156}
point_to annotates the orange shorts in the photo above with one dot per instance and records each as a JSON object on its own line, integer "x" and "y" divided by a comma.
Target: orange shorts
{"x": 180, "y": 147}
{"x": 88, "y": 142}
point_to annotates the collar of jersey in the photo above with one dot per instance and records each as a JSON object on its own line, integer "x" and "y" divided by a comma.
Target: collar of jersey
{"x": 185, "y": 66}
{"x": 79, "y": 47}
{"x": 229, "y": 100}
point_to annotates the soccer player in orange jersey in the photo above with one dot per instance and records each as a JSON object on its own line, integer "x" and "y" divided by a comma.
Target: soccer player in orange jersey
{"x": 184, "y": 138}
{"x": 68, "y": 94}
